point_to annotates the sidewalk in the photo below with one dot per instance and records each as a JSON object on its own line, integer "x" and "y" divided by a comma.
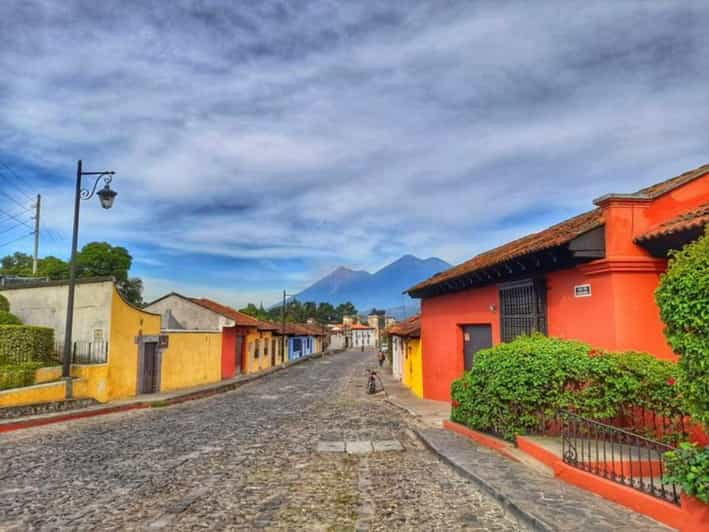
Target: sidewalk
{"x": 537, "y": 500}
{"x": 154, "y": 400}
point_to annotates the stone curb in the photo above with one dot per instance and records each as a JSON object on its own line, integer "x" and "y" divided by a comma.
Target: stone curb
{"x": 525, "y": 517}
{"x": 12, "y": 425}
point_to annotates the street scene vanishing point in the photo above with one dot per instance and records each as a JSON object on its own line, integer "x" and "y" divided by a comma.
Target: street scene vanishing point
{"x": 354, "y": 266}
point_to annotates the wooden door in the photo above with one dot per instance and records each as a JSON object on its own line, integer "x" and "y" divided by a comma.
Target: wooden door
{"x": 239, "y": 354}
{"x": 150, "y": 368}
{"x": 475, "y": 338}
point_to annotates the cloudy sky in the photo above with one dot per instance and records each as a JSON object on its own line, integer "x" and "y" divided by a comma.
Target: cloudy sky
{"x": 258, "y": 145}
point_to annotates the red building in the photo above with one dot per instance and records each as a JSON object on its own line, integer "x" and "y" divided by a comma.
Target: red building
{"x": 590, "y": 278}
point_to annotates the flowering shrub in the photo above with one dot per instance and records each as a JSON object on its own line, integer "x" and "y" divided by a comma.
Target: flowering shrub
{"x": 511, "y": 385}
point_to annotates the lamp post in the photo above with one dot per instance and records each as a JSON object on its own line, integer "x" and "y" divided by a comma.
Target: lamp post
{"x": 106, "y": 196}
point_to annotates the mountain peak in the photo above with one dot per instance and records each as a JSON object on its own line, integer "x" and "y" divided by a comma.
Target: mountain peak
{"x": 382, "y": 289}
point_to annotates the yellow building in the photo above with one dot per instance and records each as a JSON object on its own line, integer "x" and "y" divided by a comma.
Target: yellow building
{"x": 408, "y": 355}
{"x": 119, "y": 350}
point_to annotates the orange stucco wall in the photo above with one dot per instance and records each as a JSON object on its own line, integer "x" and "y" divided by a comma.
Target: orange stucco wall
{"x": 620, "y": 315}
{"x": 442, "y": 336}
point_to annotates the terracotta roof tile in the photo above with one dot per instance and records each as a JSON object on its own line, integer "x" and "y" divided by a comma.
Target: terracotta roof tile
{"x": 360, "y": 327}
{"x": 409, "y": 327}
{"x": 555, "y": 235}
{"x": 239, "y": 318}
{"x": 688, "y": 220}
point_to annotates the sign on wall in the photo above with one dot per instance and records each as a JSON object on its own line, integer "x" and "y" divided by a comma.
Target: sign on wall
{"x": 582, "y": 290}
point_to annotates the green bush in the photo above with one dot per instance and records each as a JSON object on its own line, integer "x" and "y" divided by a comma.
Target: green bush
{"x": 4, "y": 304}
{"x": 18, "y": 375}
{"x": 25, "y": 343}
{"x": 688, "y": 466}
{"x": 7, "y": 318}
{"x": 514, "y": 384}
{"x": 683, "y": 298}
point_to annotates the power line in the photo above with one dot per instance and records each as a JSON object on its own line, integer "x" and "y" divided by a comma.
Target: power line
{"x": 9, "y": 216}
{"x": 20, "y": 181}
{"x": 16, "y": 239}
{"x": 4, "y": 193}
{"x": 16, "y": 219}
{"x": 11, "y": 228}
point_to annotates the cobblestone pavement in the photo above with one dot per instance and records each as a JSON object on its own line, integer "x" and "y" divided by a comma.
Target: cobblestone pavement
{"x": 242, "y": 460}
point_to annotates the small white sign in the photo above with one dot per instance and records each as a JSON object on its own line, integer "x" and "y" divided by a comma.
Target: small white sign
{"x": 582, "y": 290}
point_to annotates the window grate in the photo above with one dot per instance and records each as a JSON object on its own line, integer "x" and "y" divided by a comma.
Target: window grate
{"x": 523, "y": 309}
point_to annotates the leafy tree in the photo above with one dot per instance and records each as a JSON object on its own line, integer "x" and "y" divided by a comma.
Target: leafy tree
{"x": 17, "y": 264}
{"x": 98, "y": 259}
{"x": 683, "y": 298}
{"x": 255, "y": 312}
{"x": 132, "y": 290}
{"x": 53, "y": 268}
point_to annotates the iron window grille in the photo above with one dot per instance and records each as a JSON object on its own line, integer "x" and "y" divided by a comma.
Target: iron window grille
{"x": 523, "y": 308}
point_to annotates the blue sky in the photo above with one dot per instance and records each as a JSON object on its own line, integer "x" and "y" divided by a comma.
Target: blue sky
{"x": 259, "y": 145}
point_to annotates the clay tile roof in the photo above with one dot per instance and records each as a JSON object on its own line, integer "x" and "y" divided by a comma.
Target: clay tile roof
{"x": 239, "y": 318}
{"x": 409, "y": 327}
{"x": 658, "y": 189}
{"x": 360, "y": 327}
{"x": 268, "y": 326}
{"x": 688, "y": 220}
{"x": 555, "y": 235}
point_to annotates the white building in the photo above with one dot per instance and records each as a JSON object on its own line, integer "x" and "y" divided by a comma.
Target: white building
{"x": 363, "y": 336}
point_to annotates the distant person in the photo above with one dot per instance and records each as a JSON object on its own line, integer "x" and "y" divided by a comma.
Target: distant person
{"x": 381, "y": 357}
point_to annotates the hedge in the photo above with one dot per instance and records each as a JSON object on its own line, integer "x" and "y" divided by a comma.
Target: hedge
{"x": 7, "y": 318}
{"x": 4, "y": 303}
{"x": 512, "y": 385}
{"x": 18, "y": 375}
{"x": 25, "y": 343}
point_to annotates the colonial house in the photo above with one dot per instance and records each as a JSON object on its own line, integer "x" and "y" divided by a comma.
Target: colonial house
{"x": 337, "y": 338}
{"x": 245, "y": 341}
{"x": 363, "y": 336}
{"x": 591, "y": 277}
{"x": 115, "y": 346}
{"x": 407, "y": 361}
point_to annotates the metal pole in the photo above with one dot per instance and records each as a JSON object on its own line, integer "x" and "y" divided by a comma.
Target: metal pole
{"x": 283, "y": 328}
{"x": 66, "y": 370}
{"x": 36, "y": 234}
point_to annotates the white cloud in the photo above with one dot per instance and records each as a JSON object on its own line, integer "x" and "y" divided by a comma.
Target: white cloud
{"x": 348, "y": 133}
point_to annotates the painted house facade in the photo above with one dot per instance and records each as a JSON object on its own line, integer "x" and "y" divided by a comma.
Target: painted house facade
{"x": 407, "y": 358}
{"x": 116, "y": 345}
{"x": 242, "y": 337}
{"x": 363, "y": 336}
{"x": 591, "y": 278}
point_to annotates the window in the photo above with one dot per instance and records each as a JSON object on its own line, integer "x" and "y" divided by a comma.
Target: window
{"x": 265, "y": 348}
{"x": 522, "y": 308}
{"x": 257, "y": 348}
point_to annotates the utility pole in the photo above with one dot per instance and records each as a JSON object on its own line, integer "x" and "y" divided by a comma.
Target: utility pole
{"x": 36, "y": 234}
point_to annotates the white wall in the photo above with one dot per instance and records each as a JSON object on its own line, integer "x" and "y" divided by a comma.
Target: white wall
{"x": 180, "y": 313}
{"x": 46, "y": 306}
{"x": 337, "y": 341}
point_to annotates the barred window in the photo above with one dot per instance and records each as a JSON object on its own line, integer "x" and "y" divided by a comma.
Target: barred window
{"x": 522, "y": 308}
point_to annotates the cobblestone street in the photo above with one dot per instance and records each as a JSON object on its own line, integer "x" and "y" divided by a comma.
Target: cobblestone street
{"x": 246, "y": 459}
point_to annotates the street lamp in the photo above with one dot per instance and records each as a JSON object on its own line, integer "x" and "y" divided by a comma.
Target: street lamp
{"x": 106, "y": 196}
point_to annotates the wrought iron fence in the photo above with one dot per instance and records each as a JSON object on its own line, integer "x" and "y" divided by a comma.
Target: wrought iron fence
{"x": 85, "y": 352}
{"x": 616, "y": 454}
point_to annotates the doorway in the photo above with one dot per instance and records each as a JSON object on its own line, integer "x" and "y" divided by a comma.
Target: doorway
{"x": 475, "y": 338}
{"x": 150, "y": 378}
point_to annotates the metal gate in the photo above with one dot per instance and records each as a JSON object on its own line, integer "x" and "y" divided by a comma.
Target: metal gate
{"x": 523, "y": 308}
